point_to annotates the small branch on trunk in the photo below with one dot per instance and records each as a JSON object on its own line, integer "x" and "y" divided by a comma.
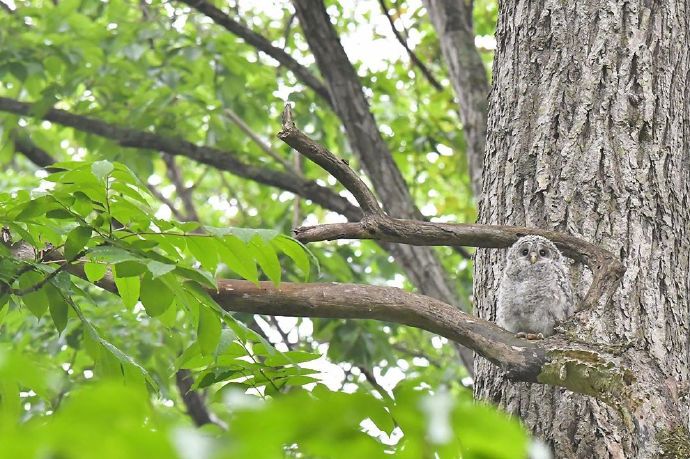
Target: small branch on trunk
{"x": 606, "y": 268}
{"x": 338, "y": 168}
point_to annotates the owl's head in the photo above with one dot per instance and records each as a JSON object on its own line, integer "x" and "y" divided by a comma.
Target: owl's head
{"x": 532, "y": 250}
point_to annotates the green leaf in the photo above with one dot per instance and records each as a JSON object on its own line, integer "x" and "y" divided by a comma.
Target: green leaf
{"x": 82, "y": 204}
{"x": 296, "y": 251}
{"x": 237, "y": 256}
{"x": 58, "y": 307}
{"x": 59, "y": 214}
{"x": 76, "y": 241}
{"x": 267, "y": 259}
{"x": 208, "y": 332}
{"x": 101, "y": 169}
{"x": 204, "y": 250}
{"x": 200, "y": 276}
{"x": 110, "y": 254}
{"x": 34, "y": 208}
{"x": 247, "y": 234}
{"x": 95, "y": 271}
{"x": 290, "y": 357}
{"x": 155, "y": 296}
{"x": 130, "y": 268}
{"x": 128, "y": 289}
{"x": 157, "y": 269}
{"x": 37, "y": 301}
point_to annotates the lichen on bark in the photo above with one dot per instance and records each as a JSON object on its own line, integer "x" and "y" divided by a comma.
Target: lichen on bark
{"x": 675, "y": 443}
{"x": 589, "y": 373}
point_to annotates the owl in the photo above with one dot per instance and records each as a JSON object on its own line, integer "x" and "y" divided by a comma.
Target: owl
{"x": 535, "y": 292}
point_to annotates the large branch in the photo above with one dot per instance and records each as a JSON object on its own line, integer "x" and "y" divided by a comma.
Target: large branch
{"x": 219, "y": 159}
{"x": 354, "y": 301}
{"x": 260, "y": 43}
{"x": 606, "y": 268}
{"x": 596, "y": 370}
{"x": 452, "y": 20}
{"x": 33, "y": 152}
{"x": 600, "y": 371}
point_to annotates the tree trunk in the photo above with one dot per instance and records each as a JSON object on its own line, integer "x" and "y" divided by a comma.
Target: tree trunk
{"x": 421, "y": 264}
{"x": 589, "y": 134}
{"x": 452, "y": 20}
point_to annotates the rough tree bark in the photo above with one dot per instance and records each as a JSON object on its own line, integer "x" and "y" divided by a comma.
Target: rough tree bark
{"x": 589, "y": 134}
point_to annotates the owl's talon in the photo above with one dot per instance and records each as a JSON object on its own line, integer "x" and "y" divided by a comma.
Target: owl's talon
{"x": 530, "y": 336}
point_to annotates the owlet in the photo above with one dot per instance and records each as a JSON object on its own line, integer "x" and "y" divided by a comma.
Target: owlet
{"x": 535, "y": 292}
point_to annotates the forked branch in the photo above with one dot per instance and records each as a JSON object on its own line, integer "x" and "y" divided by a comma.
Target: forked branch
{"x": 607, "y": 270}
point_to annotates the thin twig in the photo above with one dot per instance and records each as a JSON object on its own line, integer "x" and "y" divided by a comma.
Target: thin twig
{"x": 244, "y": 127}
{"x": 297, "y": 203}
{"x": 288, "y": 29}
{"x": 413, "y": 57}
{"x": 161, "y": 197}
{"x": 371, "y": 379}
{"x": 182, "y": 191}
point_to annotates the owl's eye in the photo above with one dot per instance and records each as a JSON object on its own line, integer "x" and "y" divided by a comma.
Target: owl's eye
{"x": 525, "y": 252}
{"x": 543, "y": 252}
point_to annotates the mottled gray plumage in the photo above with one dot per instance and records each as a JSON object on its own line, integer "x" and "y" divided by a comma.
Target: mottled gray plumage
{"x": 535, "y": 291}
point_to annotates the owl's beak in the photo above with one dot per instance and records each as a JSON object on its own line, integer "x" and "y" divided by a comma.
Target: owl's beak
{"x": 533, "y": 257}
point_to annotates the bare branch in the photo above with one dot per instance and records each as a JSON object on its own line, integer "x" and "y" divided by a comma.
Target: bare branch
{"x": 260, "y": 43}
{"x": 413, "y": 57}
{"x": 338, "y": 168}
{"x": 354, "y": 301}
{"x": 220, "y": 159}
